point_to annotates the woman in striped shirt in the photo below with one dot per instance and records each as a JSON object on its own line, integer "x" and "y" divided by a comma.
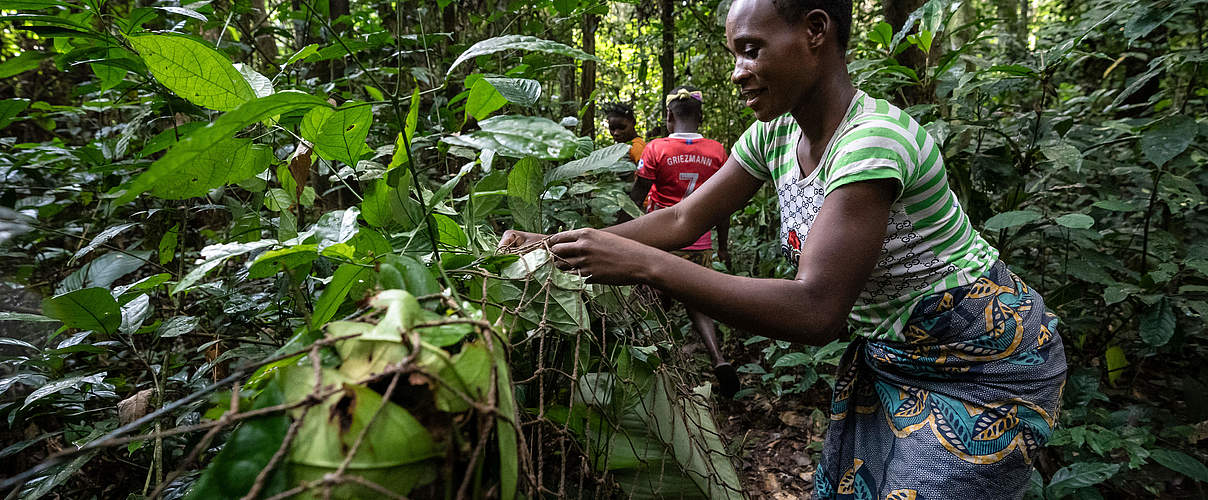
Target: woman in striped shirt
{"x": 953, "y": 377}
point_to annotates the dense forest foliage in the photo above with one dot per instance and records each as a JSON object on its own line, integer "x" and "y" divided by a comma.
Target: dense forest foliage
{"x": 250, "y": 245}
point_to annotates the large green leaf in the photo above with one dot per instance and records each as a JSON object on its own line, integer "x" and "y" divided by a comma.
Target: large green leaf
{"x": 519, "y": 42}
{"x": 522, "y": 91}
{"x": 524, "y": 194}
{"x": 213, "y": 256}
{"x": 194, "y": 71}
{"x": 201, "y": 141}
{"x": 21, "y": 63}
{"x": 101, "y": 239}
{"x": 1076, "y": 221}
{"x": 484, "y": 99}
{"x": 600, "y": 159}
{"x": 282, "y": 259}
{"x": 1157, "y": 324}
{"x": 1012, "y": 219}
{"x": 1080, "y": 475}
{"x": 1168, "y": 137}
{"x": 247, "y": 452}
{"x": 1182, "y": 463}
{"x": 86, "y": 309}
{"x": 339, "y": 134}
{"x": 226, "y": 162}
{"x": 343, "y": 281}
{"x": 10, "y": 108}
{"x": 520, "y": 136}
{"x": 104, "y": 270}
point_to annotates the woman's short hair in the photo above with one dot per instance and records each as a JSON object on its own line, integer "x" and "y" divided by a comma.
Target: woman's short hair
{"x": 838, "y": 10}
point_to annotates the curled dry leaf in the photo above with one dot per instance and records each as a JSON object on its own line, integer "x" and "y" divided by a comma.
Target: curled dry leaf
{"x": 134, "y": 407}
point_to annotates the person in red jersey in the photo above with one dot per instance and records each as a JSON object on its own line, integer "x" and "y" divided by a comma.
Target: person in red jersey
{"x": 672, "y": 168}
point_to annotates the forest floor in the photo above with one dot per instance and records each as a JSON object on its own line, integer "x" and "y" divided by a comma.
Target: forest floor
{"x": 777, "y": 439}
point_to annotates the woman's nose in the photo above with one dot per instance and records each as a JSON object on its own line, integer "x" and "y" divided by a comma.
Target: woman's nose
{"x": 740, "y": 73}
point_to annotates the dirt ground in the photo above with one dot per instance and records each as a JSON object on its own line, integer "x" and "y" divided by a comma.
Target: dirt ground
{"x": 777, "y": 439}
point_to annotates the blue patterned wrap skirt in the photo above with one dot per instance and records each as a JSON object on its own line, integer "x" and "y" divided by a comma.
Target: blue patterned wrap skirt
{"x": 958, "y": 410}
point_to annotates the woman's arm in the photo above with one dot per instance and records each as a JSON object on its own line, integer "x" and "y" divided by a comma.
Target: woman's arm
{"x": 839, "y": 254}
{"x": 680, "y": 225}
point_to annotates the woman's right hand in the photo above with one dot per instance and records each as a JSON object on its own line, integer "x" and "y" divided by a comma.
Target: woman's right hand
{"x": 513, "y": 239}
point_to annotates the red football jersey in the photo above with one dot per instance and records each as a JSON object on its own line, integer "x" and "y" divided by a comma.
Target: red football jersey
{"x": 678, "y": 165}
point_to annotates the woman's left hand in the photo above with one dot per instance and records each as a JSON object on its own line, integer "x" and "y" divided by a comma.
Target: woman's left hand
{"x": 601, "y": 257}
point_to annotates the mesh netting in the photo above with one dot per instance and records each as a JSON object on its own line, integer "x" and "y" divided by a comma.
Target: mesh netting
{"x": 530, "y": 384}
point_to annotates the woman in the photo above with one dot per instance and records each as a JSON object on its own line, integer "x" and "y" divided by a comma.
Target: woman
{"x": 954, "y": 377}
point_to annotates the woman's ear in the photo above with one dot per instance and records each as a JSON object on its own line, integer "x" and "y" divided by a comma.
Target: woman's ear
{"x": 817, "y": 24}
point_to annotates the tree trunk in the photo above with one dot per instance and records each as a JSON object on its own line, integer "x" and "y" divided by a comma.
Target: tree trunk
{"x": 667, "y": 58}
{"x": 587, "y": 127}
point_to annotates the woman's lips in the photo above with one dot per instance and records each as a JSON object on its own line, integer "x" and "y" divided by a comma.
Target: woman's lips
{"x": 751, "y": 95}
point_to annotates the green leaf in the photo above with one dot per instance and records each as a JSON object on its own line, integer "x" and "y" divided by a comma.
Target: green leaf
{"x": 1158, "y": 323}
{"x": 177, "y": 326}
{"x": 1116, "y": 205}
{"x": 226, "y": 162}
{"x": 792, "y": 359}
{"x": 302, "y": 53}
{"x": 9, "y": 109}
{"x": 194, "y": 71}
{"x": 1012, "y": 219}
{"x": 261, "y": 85}
{"x": 1151, "y": 17}
{"x": 1080, "y": 475}
{"x": 201, "y": 141}
{"x": 214, "y": 256}
{"x": 101, "y": 239}
{"x": 1116, "y": 361}
{"x": 1182, "y": 463}
{"x": 86, "y": 309}
{"x": 450, "y": 232}
{"x": 522, "y": 91}
{"x": 343, "y": 281}
{"x": 509, "y": 456}
{"x": 1116, "y": 293}
{"x": 104, "y": 270}
{"x": 417, "y": 277}
{"x": 340, "y": 134}
{"x": 283, "y": 259}
{"x": 248, "y": 451}
{"x": 167, "y": 244}
{"x": 483, "y": 100}
{"x": 169, "y": 137}
{"x": 21, "y": 63}
{"x": 33, "y": 318}
{"x": 600, "y": 159}
{"x": 520, "y": 136}
{"x": 1076, "y": 221}
{"x": 1064, "y": 155}
{"x": 519, "y": 42}
{"x": 1168, "y": 137}
{"x": 524, "y": 194}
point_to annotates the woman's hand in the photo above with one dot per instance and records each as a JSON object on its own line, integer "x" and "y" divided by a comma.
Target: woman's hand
{"x": 515, "y": 240}
{"x": 602, "y": 257}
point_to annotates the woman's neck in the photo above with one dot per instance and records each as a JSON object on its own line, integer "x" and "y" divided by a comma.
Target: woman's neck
{"x": 820, "y": 112}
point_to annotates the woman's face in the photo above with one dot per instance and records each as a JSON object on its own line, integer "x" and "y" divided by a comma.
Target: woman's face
{"x": 621, "y": 128}
{"x": 773, "y": 66}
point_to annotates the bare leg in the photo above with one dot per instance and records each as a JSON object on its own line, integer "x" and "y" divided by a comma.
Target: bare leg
{"x": 727, "y": 377}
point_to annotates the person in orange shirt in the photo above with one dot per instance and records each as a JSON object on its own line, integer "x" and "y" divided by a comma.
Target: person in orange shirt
{"x": 621, "y": 125}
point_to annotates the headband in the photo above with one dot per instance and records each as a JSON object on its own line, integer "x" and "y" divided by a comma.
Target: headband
{"x": 684, "y": 94}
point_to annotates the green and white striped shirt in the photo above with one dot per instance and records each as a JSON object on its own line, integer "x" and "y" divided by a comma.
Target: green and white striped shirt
{"x": 930, "y": 246}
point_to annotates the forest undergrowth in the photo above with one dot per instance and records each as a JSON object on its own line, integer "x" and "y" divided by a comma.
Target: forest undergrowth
{"x": 250, "y": 246}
